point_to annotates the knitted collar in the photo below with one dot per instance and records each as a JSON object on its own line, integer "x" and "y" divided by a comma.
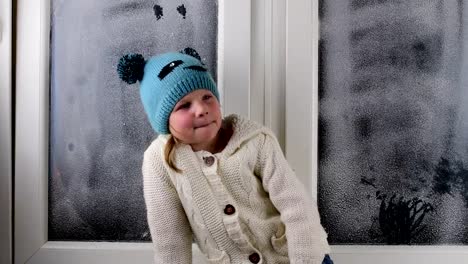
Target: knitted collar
{"x": 244, "y": 129}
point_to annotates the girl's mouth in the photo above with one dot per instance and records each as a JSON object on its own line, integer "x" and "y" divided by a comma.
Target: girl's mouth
{"x": 204, "y": 125}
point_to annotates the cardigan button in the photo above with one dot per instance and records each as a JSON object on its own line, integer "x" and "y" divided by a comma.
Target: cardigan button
{"x": 229, "y": 210}
{"x": 209, "y": 160}
{"x": 254, "y": 258}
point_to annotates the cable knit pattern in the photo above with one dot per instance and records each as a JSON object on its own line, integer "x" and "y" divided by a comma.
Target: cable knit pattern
{"x": 269, "y": 211}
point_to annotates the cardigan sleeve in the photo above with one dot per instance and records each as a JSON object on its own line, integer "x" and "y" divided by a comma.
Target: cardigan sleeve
{"x": 170, "y": 230}
{"x": 307, "y": 240}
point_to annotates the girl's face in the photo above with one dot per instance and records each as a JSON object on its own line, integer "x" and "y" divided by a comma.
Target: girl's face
{"x": 196, "y": 119}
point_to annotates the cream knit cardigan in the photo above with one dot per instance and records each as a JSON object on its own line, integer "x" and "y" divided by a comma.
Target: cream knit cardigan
{"x": 273, "y": 217}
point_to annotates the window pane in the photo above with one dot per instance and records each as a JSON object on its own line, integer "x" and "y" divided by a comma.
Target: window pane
{"x": 394, "y": 121}
{"x": 98, "y": 129}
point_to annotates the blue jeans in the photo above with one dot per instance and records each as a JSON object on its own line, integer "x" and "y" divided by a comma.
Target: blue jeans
{"x": 327, "y": 260}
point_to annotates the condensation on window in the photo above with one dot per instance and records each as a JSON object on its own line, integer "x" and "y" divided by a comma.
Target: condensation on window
{"x": 98, "y": 128}
{"x": 393, "y": 147}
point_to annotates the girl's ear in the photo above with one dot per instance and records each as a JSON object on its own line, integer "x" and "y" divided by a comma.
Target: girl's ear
{"x": 131, "y": 68}
{"x": 192, "y": 52}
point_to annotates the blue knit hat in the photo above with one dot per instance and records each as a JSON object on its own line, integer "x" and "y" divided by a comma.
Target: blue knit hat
{"x": 164, "y": 80}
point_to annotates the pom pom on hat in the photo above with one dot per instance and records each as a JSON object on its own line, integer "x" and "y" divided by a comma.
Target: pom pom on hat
{"x": 131, "y": 68}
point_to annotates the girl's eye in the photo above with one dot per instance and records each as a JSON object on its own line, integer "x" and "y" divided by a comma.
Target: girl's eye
{"x": 184, "y": 106}
{"x": 207, "y": 96}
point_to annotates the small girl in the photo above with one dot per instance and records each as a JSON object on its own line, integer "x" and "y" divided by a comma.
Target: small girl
{"x": 221, "y": 182}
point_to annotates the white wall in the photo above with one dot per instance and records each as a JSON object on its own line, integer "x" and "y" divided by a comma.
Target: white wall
{"x": 5, "y": 131}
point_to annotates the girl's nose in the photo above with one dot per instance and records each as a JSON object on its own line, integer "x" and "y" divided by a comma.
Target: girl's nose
{"x": 201, "y": 109}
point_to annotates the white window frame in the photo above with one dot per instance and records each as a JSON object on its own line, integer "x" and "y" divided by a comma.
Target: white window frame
{"x": 251, "y": 56}
{"x": 301, "y": 138}
{"x": 243, "y": 80}
{"x": 5, "y": 131}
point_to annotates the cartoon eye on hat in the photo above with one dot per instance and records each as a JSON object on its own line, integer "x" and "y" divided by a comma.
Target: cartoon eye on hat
{"x": 131, "y": 66}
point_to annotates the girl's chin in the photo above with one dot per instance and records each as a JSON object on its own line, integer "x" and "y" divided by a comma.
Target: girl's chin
{"x": 207, "y": 132}
{"x": 209, "y": 127}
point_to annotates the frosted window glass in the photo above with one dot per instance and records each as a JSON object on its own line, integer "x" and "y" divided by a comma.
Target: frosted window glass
{"x": 98, "y": 130}
{"x": 394, "y": 121}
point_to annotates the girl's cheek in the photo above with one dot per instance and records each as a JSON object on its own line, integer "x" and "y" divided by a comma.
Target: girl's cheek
{"x": 214, "y": 106}
{"x": 184, "y": 121}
